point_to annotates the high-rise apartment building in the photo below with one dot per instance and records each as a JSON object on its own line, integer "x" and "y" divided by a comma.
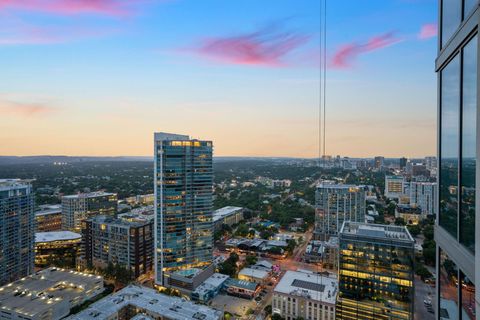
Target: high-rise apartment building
{"x": 403, "y": 162}
{"x": 79, "y": 207}
{"x": 379, "y": 162}
{"x": 458, "y": 224}
{"x": 336, "y": 203}
{"x": 424, "y": 195}
{"x": 17, "y": 230}
{"x": 183, "y": 210}
{"x": 127, "y": 243}
{"x": 376, "y": 272}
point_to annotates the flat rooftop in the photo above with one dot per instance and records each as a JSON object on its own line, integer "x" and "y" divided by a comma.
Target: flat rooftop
{"x": 37, "y": 293}
{"x": 46, "y": 210}
{"x": 89, "y": 195}
{"x": 332, "y": 185}
{"x": 56, "y": 236}
{"x": 377, "y": 231}
{"x": 138, "y": 297}
{"x": 9, "y": 184}
{"x": 308, "y": 285}
{"x": 124, "y": 222}
{"x": 225, "y": 212}
{"x": 255, "y": 273}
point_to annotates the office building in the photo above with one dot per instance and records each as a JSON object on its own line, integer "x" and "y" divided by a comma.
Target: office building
{"x": 57, "y": 248}
{"x": 17, "y": 229}
{"x": 402, "y": 162}
{"x": 122, "y": 242}
{"x": 227, "y": 216}
{"x": 183, "y": 211}
{"x": 458, "y": 223}
{"x": 79, "y": 207}
{"x": 305, "y": 295}
{"x": 49, "y": 218}
{"x": 376, "y": 272}
{"x": 336, "y": 203}
{"x": 49, "y": 294}
{"x": 379, "y": 162}
{"x": 137, "y": 302}
{"x": 395, "y": 187}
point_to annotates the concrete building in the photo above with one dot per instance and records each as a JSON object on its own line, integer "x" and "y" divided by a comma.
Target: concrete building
{"x": 57, "y": 248}
{"x": 48, "y": 294}
{"x": 257, "y": 275}
{"x": 183, "y": 210}
{"x": 79, "y": 207}
{"x": 336, "y": 203}
{"x": 210, "y": 288}
{"x": 128, "y": 243}
{"x": 49, "y": 218}
{"x": 242, "y": 288}
{"x": 410, "y": 214}
{"x": 424, "y": 195}
{"x": 228, "y": 216}
{"x": 376, "y": 272}
{"x": 403, "y": 162}
{"x": 395, "y": 187}
{"x": 457, "y": 230}
{"x": 17, "y": 229}
{"x": 305, "y": 295}
{"x": 145, "y": 303}
{"x": 379, "y": 162}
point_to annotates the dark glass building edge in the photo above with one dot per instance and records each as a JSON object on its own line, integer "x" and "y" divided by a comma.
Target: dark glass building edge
{"x": 465, "y": 260}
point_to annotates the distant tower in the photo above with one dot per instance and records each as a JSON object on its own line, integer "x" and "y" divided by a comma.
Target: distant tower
{"x": 403, "y": 162}
{"x": 17, "y": 230}
{"x": 379, "y": 162}
{"x": 183, "y": 205}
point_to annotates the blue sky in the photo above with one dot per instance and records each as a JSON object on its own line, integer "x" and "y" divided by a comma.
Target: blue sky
{"x": 99, "y": 77}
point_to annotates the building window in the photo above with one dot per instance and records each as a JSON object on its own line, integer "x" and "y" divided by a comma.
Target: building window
{"x": 468, "y": 6}
{"x": 451, "y": 18}
{"x": 468, "y": 298}
{"x": 448, "y": 287}
{"x": 469, "y": 142}
{"x": 449, "y": 146}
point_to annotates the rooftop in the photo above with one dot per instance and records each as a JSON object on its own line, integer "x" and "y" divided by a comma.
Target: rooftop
{"x": 56, "y": 236}
{"x": 161, "y": 136}
{"x": 146, "y": 299}
{"x": 120, "y": 222}
{"x": 379, "y": 231}
{"x": 224, "y": 212}
{"x": 49, "y": 209}
{"x": 89, "y": 195}
{"x": 254, "y": 273}
{"x": 7, "y": 184}
{"x": 333, "y": 185}
{"x": 308, "y": 285}
{"x": 39, "y": 292}
{"x": 247, "y": 285}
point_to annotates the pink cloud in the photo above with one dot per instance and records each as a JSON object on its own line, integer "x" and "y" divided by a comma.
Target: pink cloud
{"x": 346, "y": 55}
{"x": 266, "y": 47}
{"x": 23, "y": 109}
{"x": 428, "y": 31}
{"x": 71, "y": 7}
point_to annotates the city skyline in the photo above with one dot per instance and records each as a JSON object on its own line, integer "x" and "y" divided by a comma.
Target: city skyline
{"x": 230, "y": 77}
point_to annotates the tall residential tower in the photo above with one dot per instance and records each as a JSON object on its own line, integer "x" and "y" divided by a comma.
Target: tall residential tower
{"x": 17, "y": 230}
{"x": 457, "y": 230}
{"x": 183, "y": 210}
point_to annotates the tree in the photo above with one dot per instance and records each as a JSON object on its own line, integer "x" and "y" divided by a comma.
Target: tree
{"x": 242, "y": 230}
{"x": 414, "y": 230}
{"x": 268, "y": 309}
{"x": 400, "y": 222}
{"x": 276, "y": 316}
{"x": 291, "y": 245}
{"x": 251, "y": 260}
{"x": 423, "y": 273}
{"x": 428, "y": 232}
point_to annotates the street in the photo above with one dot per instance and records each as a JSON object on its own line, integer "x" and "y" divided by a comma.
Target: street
{"x": 422, "y": 292}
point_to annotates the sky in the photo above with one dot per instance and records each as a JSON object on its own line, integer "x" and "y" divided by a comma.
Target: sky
{"x": 99, "y": 77}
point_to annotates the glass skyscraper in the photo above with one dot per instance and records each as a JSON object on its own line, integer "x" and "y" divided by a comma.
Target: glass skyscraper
{"x": 376, "y": 270}
{"x": 458, "y": 266}
{"x": 17, "y": 230}
{"x": 183, "y": 207}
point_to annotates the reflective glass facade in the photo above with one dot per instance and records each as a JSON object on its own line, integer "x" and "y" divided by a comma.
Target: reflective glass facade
{"x": 376, "y": 272}
{"x": 458, "y": 221}
{"x": 184, "y": 200}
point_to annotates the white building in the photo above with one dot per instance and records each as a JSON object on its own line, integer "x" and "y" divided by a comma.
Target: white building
{"x": 227, "y": 215}
{"x": 306, "y": 295}
{"x": 395, "y": 187}
{"x": 48, "y": 294}
{"x": 142, "y": 301}
{"x": 424, "y": 195}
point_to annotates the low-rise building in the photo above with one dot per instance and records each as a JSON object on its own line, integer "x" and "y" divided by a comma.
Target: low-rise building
{"x": 48, "y": 294}
{"x": 49, "y": 218}
{"x": 228, "y": 216}
{"x": 124, "y": 242}
{"x": 252, "y": 274}
{"x": 210, "y": 288}
{"x": 242, "y": 288}
{"x": 325, "y": 252}
{"x": 305, "y": 295}
{"x": 136, "y": 301}
{"x": 58, "y": 248}
{"x": 412, "y": 215}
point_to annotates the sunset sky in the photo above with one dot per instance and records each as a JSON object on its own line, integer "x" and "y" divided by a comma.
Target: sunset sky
{"x": 98, "y": 77}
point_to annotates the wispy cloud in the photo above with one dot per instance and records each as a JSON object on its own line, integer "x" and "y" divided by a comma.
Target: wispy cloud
{"x": 427, "y": 31}
{"x": 24, "y": 109}
{"x": 71, "y": 7}
{"x": 264, "y": 47}
{"x": 346, "y": 55}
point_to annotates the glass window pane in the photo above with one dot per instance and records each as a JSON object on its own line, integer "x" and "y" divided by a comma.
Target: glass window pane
{"x": 449, "y": 147}
{"x": 451, "y": 17}
{"x": 448, "y": 287}
{"x": 468, "y": 7}
{"x": 468, "y": 298}
{"x": 469, "y": 141}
